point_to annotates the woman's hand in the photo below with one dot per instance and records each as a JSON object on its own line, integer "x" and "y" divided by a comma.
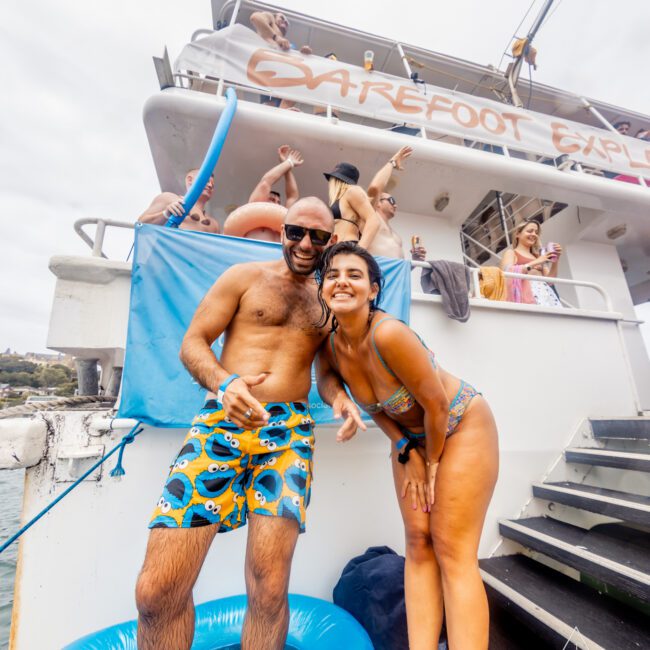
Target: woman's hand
{"x": 432, "y": 470}
{"x": 415, "y": 482}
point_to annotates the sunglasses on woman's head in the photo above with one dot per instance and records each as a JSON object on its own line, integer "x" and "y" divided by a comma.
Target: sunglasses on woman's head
{"x": 390, "y": 199}
{"x": 296, "y": 233}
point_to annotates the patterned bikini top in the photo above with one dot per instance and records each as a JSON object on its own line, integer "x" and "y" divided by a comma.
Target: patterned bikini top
{"x": 401, "y": 400}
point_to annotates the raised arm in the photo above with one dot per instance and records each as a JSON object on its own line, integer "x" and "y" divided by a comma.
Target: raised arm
{"x": 360, "y": 203}
{"x": 290, "y": 185}
{"x": 379, "y": 182}
{"x": 262, "y": 189}
{"x": 331, "y": 389}
{"x": 212, "y": 317}
{"x": 158, "y": 212}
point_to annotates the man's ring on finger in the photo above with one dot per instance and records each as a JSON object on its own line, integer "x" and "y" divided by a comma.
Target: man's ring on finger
{"x": 248, "y": 413}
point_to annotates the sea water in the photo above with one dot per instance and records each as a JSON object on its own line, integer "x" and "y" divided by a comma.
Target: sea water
{"x": 11, "y": 497}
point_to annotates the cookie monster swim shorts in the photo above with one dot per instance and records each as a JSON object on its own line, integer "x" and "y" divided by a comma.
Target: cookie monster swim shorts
{"x": 223, "y": 472}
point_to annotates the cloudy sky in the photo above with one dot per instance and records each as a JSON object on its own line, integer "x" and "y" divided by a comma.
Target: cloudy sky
{"x": 76, "y": 76}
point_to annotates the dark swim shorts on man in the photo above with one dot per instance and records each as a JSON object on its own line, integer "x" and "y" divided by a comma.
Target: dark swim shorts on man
{"x": 224, "y": 472}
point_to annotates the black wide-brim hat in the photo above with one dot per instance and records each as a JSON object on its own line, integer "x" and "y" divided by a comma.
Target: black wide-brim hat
{"x": 345, "y": 172}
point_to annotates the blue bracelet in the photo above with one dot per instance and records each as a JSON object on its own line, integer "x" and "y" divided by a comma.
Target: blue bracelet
{"x": 400, "y": 444}
{"x": 224, "y": 385}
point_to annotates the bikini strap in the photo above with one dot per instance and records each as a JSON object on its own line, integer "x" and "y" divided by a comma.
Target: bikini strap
{"x": 336, "y": 363}
{"x": 374, "y": 345}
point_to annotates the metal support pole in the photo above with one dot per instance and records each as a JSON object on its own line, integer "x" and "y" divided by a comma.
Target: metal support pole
{"x": 99, "y": 239}
{"x": 502, "y": 214}
{"x": 409, "y": 73}
{"x": 594, "y": 111}
{"x": 235, "y": 11}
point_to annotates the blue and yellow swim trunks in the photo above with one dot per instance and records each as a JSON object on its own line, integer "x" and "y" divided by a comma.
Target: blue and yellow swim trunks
{"x": 223, "y": 472}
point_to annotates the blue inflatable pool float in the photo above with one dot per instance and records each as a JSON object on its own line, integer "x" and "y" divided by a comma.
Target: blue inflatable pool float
{"x": 314, "y": 624}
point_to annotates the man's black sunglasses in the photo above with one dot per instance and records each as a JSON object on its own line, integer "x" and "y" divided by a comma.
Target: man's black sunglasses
{"x": 390, "y": 199}
{"x": 297, "y": 233}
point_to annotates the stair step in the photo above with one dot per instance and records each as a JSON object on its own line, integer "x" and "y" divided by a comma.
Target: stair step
{"x": 555, "y": 605}
{"x": 609, "y": 458}
{"x": 611, "y": 503}
{"x": 629, "y": 428}
{"x": 613, "y": 553}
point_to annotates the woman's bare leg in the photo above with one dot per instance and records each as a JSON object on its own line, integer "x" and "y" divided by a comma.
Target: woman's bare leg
{"x": 422, "y": 588}
{"x": 464, "y": 485}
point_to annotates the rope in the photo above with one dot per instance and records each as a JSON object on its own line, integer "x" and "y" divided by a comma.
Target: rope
{"x": 52, "y": 405}
{"x": 119, "y": 471}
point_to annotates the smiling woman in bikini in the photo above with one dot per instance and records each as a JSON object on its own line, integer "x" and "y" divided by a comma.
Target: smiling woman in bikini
{"x": 444, "y": 448}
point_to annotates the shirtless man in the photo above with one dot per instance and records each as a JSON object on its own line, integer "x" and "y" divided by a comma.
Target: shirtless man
{"x": 386, "y": 242}
{"x": 169, "y": 203}
{"x": 249, "y": 451}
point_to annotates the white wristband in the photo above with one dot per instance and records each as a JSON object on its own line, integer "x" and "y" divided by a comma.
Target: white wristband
{"x": 290, "y": 162}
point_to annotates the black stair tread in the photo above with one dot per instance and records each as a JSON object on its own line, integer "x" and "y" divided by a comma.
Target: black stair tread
{"x": 604, "y": 621}
{"x": 632, "y": 428}
{"x": 622, "y": 544}
{"x": 626, "y": 460}
{"x": 598, "y": 491}
{"x": 645, "y": 453}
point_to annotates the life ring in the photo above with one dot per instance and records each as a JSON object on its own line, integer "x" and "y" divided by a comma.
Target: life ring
{"x": 314, "y": 624}
{"x": 254, "y": 217}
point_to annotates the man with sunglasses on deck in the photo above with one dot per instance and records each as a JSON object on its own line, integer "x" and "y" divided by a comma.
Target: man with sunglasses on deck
{"x": 248, "y": 455}
{"x": 387, "y": 242}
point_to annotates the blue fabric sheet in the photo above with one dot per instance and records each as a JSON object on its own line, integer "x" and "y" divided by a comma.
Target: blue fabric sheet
{"x": 172, "y": 271}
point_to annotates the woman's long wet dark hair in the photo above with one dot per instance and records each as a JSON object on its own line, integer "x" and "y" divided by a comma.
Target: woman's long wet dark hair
{"x": 374, "y": 274}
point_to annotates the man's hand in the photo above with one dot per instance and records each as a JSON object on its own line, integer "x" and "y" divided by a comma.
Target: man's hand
{"x": 241, "y": 407}
{"x": 305, "y": 49}
{"x": 283, "y": 152}
{"x": 415, "y": 482}
{"x": 283, "y": 43}
{"x": 343, "y": 406}
{"x": 401, "y": 156}
{"x": 295, "y": 157}
{"x": 176, "y": 207}
{"x": 419, "y": 254}
{"x": 432, "y": 470}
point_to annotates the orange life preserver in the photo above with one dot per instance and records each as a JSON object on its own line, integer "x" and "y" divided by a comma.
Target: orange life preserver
{"x": 253, "y": 216}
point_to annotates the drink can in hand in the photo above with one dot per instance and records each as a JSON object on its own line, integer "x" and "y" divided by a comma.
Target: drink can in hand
{"x": 550, "y": 249}
{"x": 415, "y": 242}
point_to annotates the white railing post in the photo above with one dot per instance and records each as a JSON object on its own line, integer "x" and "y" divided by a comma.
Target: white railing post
{"x": 99, "y": 238}
{"x": 409, "y": 72}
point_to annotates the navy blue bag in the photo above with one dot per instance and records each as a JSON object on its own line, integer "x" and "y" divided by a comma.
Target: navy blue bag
{"x": 371, "y": 588}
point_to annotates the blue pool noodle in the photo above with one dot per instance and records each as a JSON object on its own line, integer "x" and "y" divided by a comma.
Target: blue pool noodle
{"x": 210, "y": 160}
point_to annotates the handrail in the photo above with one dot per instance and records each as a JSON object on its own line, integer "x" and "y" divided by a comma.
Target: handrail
{"x": 98, "y": 243}
{"x": 535, "y": 278}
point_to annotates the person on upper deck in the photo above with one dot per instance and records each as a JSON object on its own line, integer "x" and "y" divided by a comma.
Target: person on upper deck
{"x": 526, "y": 256}
{"x": 354, "y": 216}
{"x": 623, "y": 127}
{"x": 273, "y": 29}
{"x": 168, "y": 203}
{"x": 386, "y": 242}
{"x": 444, "y": 448}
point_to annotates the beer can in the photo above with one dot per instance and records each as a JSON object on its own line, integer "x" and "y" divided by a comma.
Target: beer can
{"x": 415, "y": 242}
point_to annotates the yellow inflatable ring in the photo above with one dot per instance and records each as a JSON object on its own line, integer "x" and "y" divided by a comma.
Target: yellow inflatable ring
{"x": 250, "y": 217}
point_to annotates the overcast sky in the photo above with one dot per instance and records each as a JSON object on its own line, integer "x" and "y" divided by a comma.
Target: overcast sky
{"x": 76, "y": 75}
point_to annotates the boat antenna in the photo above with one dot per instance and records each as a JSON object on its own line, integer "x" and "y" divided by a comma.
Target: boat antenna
{"x": 523, "y": 51}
